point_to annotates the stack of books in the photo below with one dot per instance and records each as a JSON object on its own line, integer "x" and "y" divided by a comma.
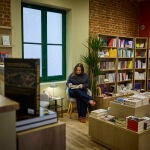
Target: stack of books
{"x": 135, "y": 124}
{"x": 99, "y": 113}
{"x": 133, "y": 102}
{"x": 120, "y": 122}
{"x": 109, "y": 118}
{"x": 144, "y": 98}
{"x": 146, "y": 123}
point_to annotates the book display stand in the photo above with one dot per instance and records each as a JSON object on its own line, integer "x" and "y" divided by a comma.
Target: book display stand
{"x": 115, "y": 135}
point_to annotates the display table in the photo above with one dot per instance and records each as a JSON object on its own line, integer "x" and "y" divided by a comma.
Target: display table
{"x": 122, "y": 111}
{"x": 48, "y": 137}
{"x": 116, "y": 137}
{"x": 104, "y": 102}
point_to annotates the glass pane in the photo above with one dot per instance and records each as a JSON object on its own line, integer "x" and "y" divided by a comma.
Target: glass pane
{"x": 54, "y": 28}
{"x": 32, "y": 25}
{"x": 54, "y": 57}
{"x": 33, "y": 51}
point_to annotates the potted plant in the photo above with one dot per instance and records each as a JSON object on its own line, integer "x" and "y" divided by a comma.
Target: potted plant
{"x": 91, "y": 60}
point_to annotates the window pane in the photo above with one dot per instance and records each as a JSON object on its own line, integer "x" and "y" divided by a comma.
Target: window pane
{"x": 54, "y": 57}
{"x": 54, "y": 28}
{"x": 33, "y": 51}
{"x": 32, "y": 25}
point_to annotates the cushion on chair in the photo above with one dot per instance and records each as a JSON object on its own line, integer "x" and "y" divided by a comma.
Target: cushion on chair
{"x": 68, "y": 96}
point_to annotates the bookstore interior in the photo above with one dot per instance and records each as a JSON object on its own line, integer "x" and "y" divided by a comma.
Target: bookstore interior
{"x": 121, "y": 117}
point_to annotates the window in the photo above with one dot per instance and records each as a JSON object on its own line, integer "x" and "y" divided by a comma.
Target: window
{"x": 44, "y": 38}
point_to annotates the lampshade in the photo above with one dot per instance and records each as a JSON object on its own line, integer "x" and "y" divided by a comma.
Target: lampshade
{"x": 53, "y": 85}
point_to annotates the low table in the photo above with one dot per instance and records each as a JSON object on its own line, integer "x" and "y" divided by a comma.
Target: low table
{"x": 55, "y": 106}
{"x": 116, "y": 137}
{"x": 104, "y": 102}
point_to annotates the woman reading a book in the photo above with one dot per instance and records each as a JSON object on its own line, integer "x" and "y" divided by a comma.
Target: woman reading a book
{"x": 77, "y": 83}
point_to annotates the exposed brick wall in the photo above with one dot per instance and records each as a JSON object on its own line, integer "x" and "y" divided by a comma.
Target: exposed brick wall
{"x": 5, "y": 16}
{"x": 144, "y": 18}
{"x": 113, "y": 17}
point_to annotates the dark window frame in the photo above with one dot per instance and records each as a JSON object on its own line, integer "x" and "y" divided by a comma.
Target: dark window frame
{"x": 44, "y": 11}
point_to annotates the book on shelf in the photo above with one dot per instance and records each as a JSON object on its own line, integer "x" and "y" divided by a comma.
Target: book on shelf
{"x": 112, "y": 52}
{"x": 6, "y": 40}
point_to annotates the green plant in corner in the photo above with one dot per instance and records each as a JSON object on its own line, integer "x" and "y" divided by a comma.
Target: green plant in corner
{"x": 91, "y": 60}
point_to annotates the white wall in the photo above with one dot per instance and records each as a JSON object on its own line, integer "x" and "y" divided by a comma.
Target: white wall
{"x": 76, "y": 34}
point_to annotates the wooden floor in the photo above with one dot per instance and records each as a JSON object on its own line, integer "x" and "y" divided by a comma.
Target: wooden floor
{"x": 77, "y": 137}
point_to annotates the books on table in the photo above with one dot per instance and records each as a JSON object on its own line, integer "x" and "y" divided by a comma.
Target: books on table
{"x": 99, "y": 112}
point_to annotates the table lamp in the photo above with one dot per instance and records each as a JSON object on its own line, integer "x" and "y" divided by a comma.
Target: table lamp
{"x": 53, "y": 86}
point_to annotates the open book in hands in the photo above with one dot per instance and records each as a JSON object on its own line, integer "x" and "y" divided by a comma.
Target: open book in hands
{"x": 74, "y": 86}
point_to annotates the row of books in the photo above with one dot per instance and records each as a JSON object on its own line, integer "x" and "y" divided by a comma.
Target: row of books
{"x": 140, "y": 64}
{"x": 112, "y": 42}
{"x": 109, "y": 65}
{"x": 125, "y": 53}
{"x": 122, "y": 88}
{"x": 125, "y": 65}
{"x": 140, "y": 75}
{"x": 125, "y": 43}
{"x": 140, "y": 44}
{"x": 110, "y": 76}
{"x": 140, "y": 53}
{"x": 123, "y": 76}
{"x": 122, "y": 53}
{"x": 110, "y": 52}
{"x": 3, "y": 55}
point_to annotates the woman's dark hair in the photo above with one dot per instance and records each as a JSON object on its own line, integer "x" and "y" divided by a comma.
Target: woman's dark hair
{"x": 76, "y": 66}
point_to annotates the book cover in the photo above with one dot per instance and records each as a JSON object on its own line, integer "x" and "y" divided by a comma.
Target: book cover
{"x": 5, "y": 40}
{"x": 74, "y": 86}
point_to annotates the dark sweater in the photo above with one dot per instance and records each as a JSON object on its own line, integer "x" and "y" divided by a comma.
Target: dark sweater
{"x": 79, "y": 79}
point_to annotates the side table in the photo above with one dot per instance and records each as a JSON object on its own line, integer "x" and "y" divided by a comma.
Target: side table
{"x": 55, "y": 106}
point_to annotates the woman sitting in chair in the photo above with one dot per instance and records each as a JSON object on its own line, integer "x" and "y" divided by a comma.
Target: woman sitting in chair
{"x": 77, "y": 83}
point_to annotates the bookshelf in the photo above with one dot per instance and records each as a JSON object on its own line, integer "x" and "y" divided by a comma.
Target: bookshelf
{"x": 108, "y": 63}
{"x": 116, "y": 63}
{"x": 5, "y": 43}
{"x": 140, "y": 66}
{"x": 125, "y": 62}
{"x": 148, "y": 66}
